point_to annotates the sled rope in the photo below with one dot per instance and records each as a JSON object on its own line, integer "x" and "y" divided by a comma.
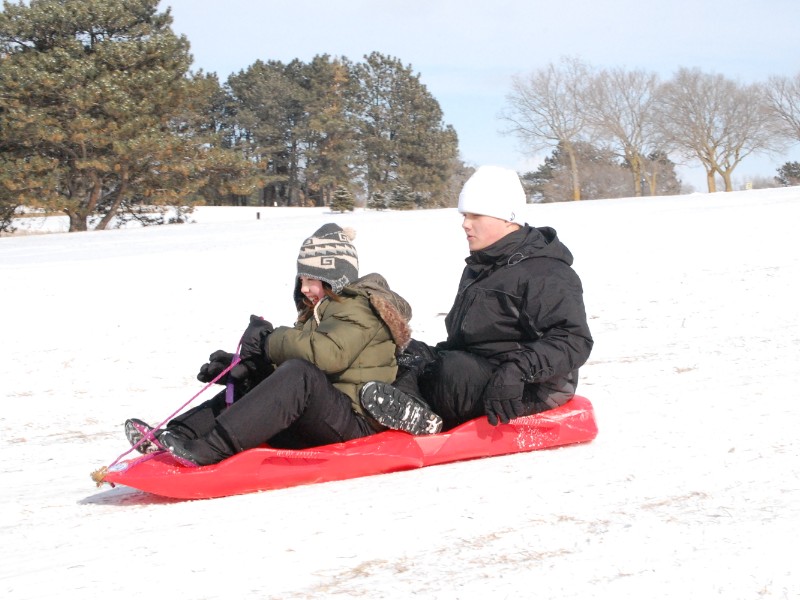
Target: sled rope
{"x": 99, "y": 475}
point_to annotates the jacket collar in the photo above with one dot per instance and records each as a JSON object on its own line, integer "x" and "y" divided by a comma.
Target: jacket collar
{"x": 502, "y": 250}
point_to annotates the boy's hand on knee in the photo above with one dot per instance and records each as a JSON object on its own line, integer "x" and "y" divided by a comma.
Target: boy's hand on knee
{"x": 502, "y": 397}
{"x": 502, "y": 409}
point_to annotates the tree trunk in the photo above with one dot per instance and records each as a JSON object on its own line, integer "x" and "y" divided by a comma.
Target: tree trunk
{"x": 726, "y": 178}
{"x": 573, "y": 168}
{"x": 652, "y": 182}
{"x": 636, "y": 168}
{"x": 77, "y": 221}
{"x": 121, "y": 191}
{"x": 78, "y": 218}
{"x": 712, "y": 184}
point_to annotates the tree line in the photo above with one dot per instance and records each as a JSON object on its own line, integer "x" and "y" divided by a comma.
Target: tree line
{"x": 599, "y": 116}
{"x": 102, "y": 120}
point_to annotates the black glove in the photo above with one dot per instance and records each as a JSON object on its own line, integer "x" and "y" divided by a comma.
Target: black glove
{"x": 254, "y": 338}
{"x": 217, "y": 363}
{"x": 503, "y": 397}
{"x": 254, "y": 362}
{"x": 416, "y": 355}
{"x": 504, "y": 409}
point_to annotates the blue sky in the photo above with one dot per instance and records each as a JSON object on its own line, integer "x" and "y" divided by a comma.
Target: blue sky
{"x": 467, "y": 51}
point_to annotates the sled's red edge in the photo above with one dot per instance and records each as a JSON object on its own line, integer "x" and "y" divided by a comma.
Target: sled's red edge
{"x": 271, "y": 468}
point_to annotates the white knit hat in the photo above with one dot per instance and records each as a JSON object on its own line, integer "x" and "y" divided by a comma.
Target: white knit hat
{"x": 494, "y": 192}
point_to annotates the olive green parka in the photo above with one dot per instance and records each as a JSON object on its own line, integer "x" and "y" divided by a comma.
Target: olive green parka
{"x": 353, "y": 338}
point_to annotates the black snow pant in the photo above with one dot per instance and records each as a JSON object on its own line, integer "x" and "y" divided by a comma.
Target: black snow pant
{"x": 295, "y": 407}
{"x": 453, "y": 385}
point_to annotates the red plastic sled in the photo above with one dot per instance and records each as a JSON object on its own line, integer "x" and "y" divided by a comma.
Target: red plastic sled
{"x": 271, "y": 468}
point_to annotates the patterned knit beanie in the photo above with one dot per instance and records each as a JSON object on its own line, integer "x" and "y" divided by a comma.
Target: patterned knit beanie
{"x": 329, "y": 255}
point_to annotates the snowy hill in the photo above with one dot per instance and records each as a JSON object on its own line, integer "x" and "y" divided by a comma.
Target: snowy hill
{"x": 691, "y": 489}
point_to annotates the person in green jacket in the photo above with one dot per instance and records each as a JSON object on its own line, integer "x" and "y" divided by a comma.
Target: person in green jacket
{"x": 300, "y": 386}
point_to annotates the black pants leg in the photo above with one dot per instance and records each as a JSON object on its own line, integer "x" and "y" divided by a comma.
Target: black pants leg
{"x": 296, "y": 401}
{"x": 198, "y": 421}
{"x": 454, "y": 385}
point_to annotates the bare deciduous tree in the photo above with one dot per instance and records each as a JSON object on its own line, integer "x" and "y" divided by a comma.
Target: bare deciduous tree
{"x": 547, "y": 109}
{"x": 620, "y": 106}
{"x": 715, "y": 121}
{"x": 783, "y": 98}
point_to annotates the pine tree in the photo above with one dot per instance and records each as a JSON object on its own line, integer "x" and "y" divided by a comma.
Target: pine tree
{"x": 789, "y": 174}
{"x": 98, "y": 115}
{"x": 8, "y": 203}
{"x": 271, "y": 119}
{"x": 378, "y": 201}
{"x": 329, "y": 133}
{"x": 342, "y": 200}
{"x": 402, "y": 197}
{"x": 232, "y": 173}
{"x": 401, "y": 132}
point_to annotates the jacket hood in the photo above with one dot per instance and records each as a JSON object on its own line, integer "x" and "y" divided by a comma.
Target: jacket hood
{"x": 526, "y": 242}
{"x": 390, "y": 306}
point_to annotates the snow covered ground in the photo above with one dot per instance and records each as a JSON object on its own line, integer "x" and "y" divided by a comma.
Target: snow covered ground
{"x": 691, "y": 489}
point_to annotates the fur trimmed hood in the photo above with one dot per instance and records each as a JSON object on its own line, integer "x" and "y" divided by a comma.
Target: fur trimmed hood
{"x": 390, "y": 306}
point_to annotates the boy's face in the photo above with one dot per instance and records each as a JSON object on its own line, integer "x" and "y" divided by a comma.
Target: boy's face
{"x": 483, "y": 231}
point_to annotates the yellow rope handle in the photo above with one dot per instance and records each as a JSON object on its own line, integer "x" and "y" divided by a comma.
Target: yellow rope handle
{"x": 99, "y": 476}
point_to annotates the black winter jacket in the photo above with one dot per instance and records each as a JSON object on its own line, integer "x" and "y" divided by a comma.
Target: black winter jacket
{"x": 520, "y": 305}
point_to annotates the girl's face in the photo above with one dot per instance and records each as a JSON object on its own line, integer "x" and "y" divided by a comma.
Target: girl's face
{"x": 312, "y": 289}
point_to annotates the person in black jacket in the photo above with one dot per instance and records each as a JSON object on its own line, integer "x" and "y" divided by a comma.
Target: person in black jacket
{"x": 517, "y": 332}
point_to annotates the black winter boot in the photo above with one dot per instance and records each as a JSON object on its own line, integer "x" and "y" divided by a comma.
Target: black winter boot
{"x": 210, "y": 449}
{"x": 142, "y": 437}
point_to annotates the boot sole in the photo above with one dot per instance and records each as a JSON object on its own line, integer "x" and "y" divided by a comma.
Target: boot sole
{"x": 397, "y": 410}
